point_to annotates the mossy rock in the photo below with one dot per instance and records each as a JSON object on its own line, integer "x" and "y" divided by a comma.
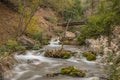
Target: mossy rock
{"x": 64, "y": 54}
{"x": 89, "y": 55}
{"x": 72, "y": 71}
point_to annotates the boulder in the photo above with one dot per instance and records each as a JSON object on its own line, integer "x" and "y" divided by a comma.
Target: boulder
{"x": 70, "y": 35}
{"x": 26, "y": 41}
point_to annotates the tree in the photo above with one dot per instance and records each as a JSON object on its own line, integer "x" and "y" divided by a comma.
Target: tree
{"x": 103, "y": 21}
{"x": 26, "y": 11}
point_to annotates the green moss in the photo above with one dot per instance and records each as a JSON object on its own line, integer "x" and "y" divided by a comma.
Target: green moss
{"x": 72, "y": 71}
{"x": 89, "y": 55}
{"x": 66, "y": 55}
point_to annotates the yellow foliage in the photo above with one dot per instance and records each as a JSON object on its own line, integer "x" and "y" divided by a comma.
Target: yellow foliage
{"x": 33, "y": 27}
{"x": 11, "y": 43}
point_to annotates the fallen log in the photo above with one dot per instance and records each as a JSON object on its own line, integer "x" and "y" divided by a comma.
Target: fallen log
{"x": 71, "y": 23}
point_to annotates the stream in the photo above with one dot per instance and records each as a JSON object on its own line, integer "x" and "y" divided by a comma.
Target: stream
{"x": 34, "y": 66}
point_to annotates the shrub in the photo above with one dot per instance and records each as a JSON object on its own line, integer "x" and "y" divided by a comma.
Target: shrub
{"x": 73, "y": 12}
{"x": 3, "y": 48}
{"x": 81, "y": 40}
{"x": 37, "y": 45}
{"x": 13, "y": 45}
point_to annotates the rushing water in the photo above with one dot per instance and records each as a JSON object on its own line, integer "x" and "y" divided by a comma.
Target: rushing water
{"x": 34, "y": 66}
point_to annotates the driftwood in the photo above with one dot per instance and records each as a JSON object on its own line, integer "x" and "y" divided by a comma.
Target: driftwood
{"x": 71, "y": 23}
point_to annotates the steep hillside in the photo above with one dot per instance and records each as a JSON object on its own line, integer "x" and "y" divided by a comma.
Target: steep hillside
{"x": 46, "y": 20}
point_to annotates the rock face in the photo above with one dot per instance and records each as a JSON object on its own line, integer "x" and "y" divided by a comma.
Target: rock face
{"x": 26, "y": 41}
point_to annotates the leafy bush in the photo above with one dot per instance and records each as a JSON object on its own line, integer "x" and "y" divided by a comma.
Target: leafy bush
{"x": 4, "y": 50}
{"x": 13, "y": 45}
{"x": 10, "y": 47}
{"x": 37, "y": 45}
{"x": 74, "y": 12}
{"x": 81, "y": 40}
{"x": 36, "y": 35}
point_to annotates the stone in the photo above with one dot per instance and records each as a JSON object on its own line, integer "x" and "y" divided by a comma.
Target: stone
{"x": 70, "y": 35}
{"x": 26, "y": 41}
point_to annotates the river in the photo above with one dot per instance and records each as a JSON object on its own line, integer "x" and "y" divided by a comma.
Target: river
{"x": 33, "y": 65}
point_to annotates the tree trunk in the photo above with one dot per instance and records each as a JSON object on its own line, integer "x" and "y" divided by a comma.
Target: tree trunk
{"x": 71, "y": 23}
{"x": 65, "y": 33}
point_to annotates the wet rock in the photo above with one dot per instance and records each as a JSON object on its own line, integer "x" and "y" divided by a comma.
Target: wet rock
{"x": 72, "y": 71}
{"x": 64, "y": 54}
{"x": 89, "y": 55}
